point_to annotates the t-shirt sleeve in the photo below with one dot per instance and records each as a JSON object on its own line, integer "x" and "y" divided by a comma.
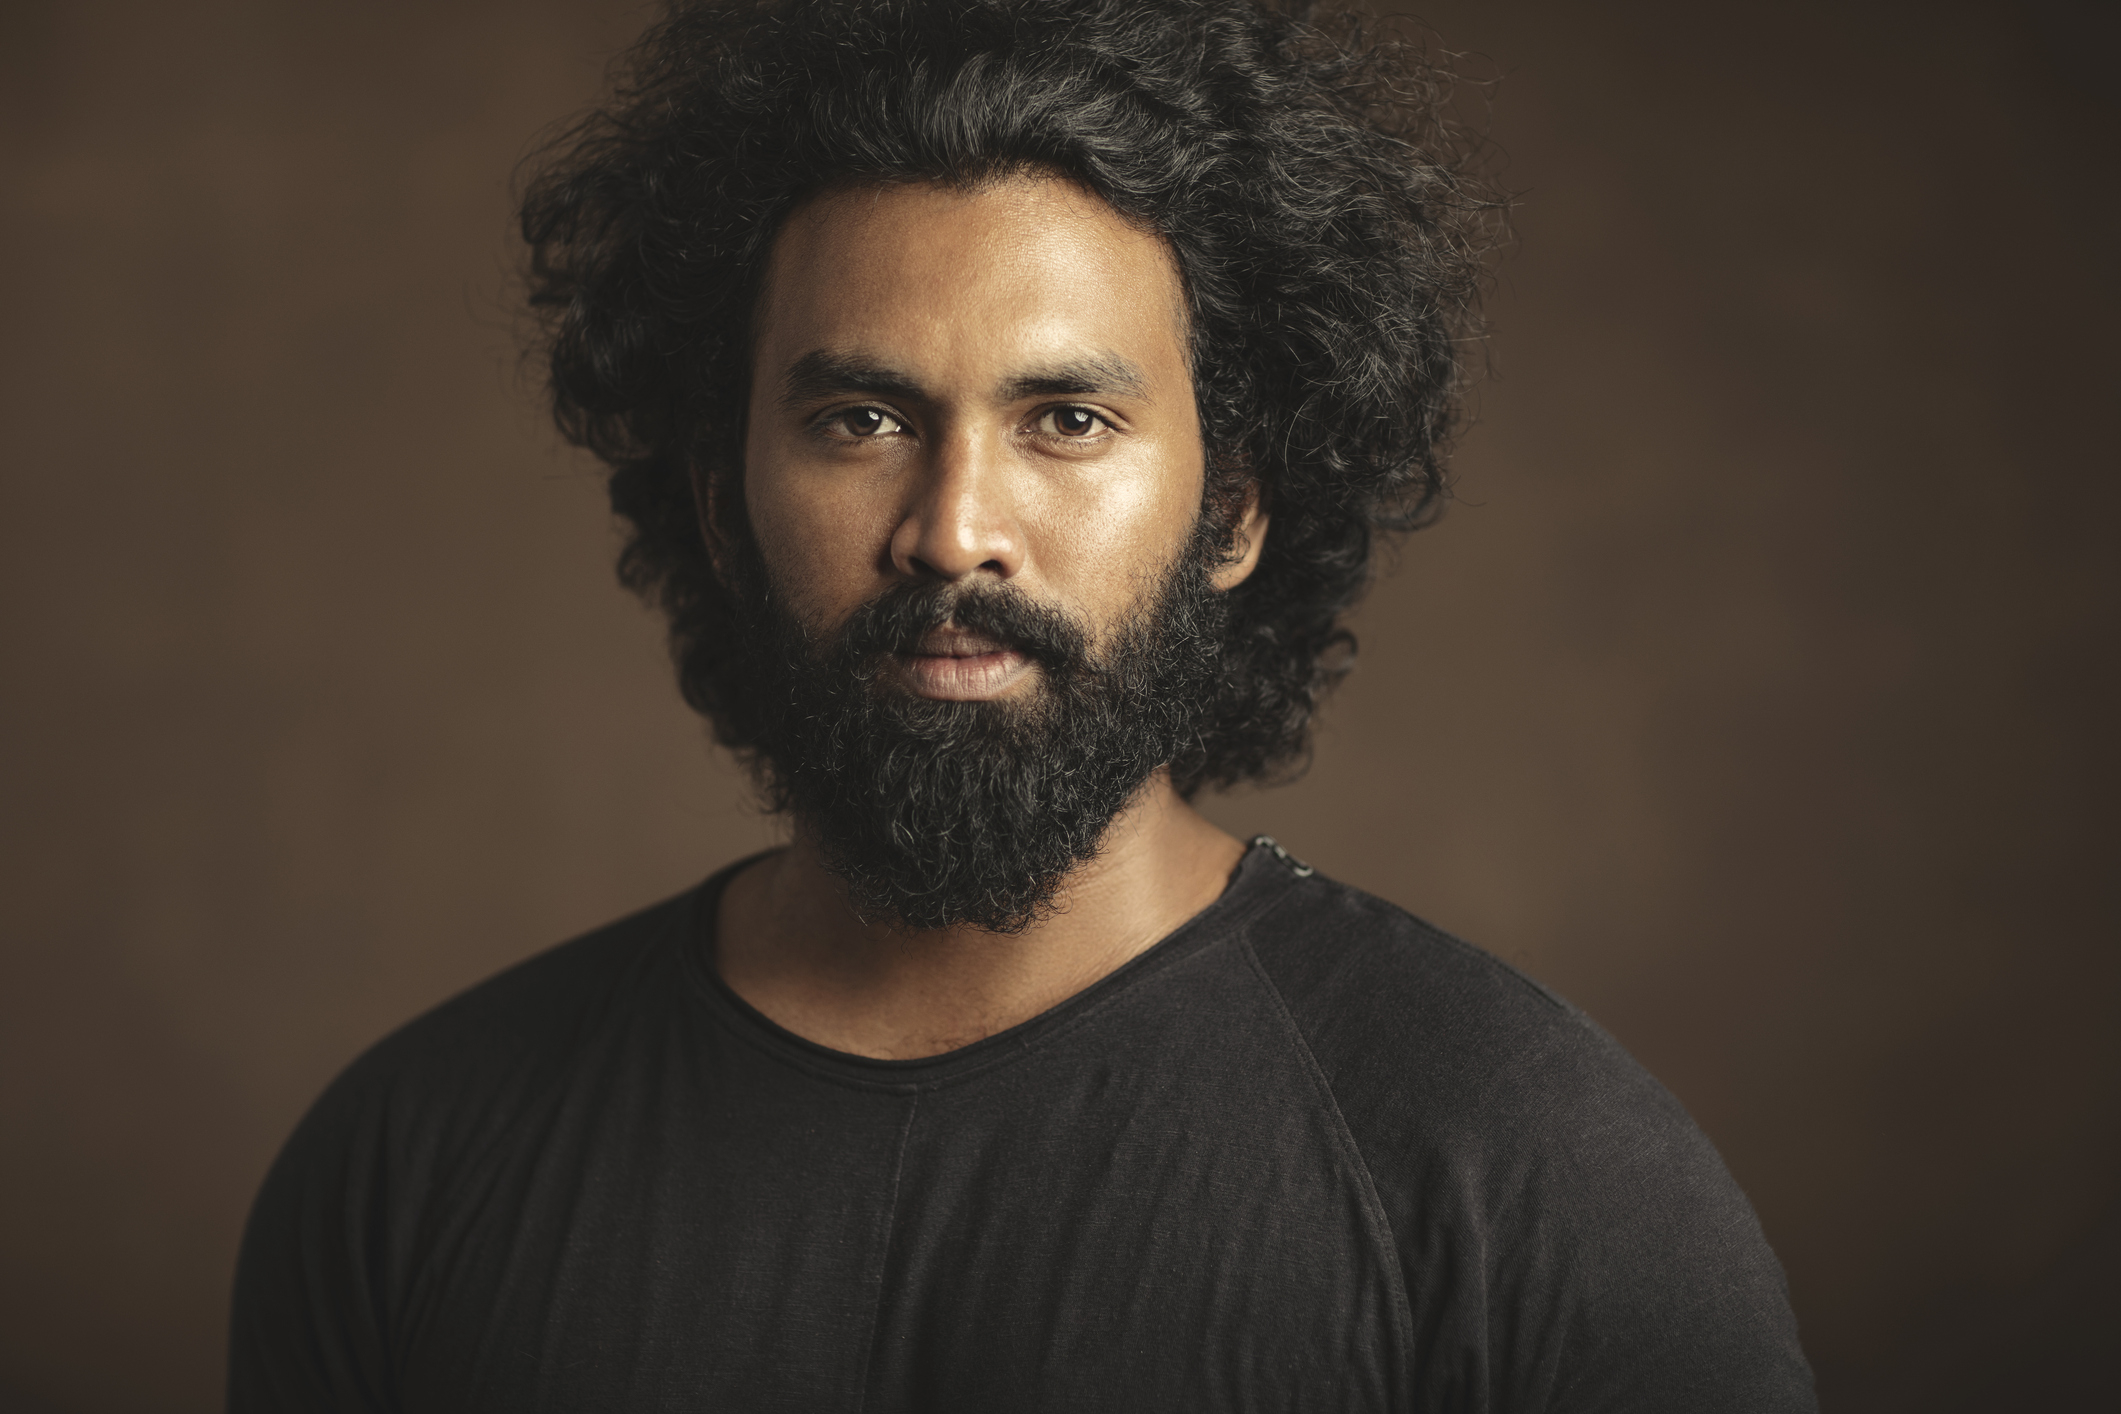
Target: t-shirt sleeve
{"x": 1569, "y": 1240}
{"x": 1624, "y": 1269}
{"x": 336, "y": 1280}
{"x": 308, "y": 1331}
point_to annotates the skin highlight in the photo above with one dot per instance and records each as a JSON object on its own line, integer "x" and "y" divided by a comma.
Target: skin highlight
{"x": 954, "y": 384}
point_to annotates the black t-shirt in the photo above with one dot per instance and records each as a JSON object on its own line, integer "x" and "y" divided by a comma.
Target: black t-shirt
{"x": 1306, "y": 1153}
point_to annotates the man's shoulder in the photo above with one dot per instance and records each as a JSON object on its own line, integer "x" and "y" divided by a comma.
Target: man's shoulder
{"x": 1520, "y": 1155}
{"x": 1328, "y": 935}
{"x": 522, "y": 1022}
{"x": 1441, "y": 1055}
{"x": 1372, "y": 986}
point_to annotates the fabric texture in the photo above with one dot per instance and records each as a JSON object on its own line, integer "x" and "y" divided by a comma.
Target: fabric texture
{"x": 1306, "y": 1153}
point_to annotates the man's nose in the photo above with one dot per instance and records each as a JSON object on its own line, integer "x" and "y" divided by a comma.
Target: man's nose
{"x": 960, "y": 518}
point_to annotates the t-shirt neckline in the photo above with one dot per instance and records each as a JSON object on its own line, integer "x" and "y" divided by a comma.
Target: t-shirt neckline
{"x": 1260, "y": 876}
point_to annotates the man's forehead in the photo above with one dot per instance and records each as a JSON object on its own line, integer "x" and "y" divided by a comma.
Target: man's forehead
{"x": 1030, "y": 273}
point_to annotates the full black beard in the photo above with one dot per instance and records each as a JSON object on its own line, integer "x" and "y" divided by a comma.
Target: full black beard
{"x": 943, "y": 813}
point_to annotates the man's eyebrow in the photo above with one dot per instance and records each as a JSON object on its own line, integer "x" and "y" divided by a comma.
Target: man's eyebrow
{"x": 1078, "y": 377}
{"x": 821, "y": 373}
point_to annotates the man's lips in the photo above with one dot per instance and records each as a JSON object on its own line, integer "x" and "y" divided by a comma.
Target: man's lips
{"x": 951, "y": 664}
{"x": 950, "y": 641}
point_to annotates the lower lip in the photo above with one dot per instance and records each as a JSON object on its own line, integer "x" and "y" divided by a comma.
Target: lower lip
{"x": 972, "y": 679}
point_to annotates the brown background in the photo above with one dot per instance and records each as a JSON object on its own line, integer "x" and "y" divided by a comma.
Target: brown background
{"x": 1759, "y": 695}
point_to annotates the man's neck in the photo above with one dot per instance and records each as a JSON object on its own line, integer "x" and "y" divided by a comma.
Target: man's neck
{"x": 788, "y": 942}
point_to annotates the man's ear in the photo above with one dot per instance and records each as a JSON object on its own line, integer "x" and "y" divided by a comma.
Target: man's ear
{"x": 709, "y": 491}
{"x": 1246, "y": 538}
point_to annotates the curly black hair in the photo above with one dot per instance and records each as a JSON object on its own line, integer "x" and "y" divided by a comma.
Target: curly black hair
{"x": 1320, "y": 206}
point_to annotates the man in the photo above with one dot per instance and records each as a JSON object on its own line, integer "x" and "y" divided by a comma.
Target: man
{"x": 1005, "y": 397}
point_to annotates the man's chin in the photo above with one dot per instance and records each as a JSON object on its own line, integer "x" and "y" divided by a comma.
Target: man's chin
{"x": 958, "y": 784}
{"x": 924, "y": 874}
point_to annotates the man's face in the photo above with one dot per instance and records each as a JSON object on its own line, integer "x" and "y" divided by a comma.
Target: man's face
{"x": 970, "y": 388}
{"x": 983, "y": 606}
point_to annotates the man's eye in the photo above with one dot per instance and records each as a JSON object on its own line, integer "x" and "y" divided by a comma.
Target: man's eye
{"x": 865, "y": 422}
{"x": 1070, "y": 422}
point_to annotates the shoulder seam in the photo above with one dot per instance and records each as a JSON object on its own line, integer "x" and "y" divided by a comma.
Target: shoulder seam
{"x": 1402, "y": 1306}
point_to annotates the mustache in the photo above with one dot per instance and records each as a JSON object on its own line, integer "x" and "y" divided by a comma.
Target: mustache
{"x": 898, "y": 619}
